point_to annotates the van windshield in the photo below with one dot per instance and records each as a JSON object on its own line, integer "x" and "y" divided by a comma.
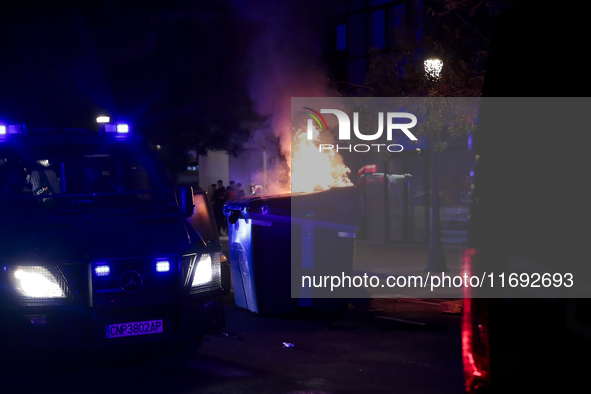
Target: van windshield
{"x": 76, "y": 176}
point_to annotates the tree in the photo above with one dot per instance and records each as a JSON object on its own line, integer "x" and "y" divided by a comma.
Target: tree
{"x": 456, "y": 34}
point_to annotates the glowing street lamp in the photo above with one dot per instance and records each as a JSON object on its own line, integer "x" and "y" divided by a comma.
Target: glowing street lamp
{"x": 433, "y": 68}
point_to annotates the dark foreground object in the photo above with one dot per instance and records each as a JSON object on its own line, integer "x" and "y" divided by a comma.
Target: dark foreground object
{"x": 353, "y": 352}
{"x": 530, "y": 203}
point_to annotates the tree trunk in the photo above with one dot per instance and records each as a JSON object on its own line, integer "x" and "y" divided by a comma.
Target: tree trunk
{"x": 436, "y": 261}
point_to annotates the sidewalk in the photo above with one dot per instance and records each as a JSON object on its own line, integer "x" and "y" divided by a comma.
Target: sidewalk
{"x": 388, "y": 258}
{"x": 376, "y": 258}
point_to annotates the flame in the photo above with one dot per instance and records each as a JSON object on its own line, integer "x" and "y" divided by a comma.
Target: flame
{"x": 312, "y": 170}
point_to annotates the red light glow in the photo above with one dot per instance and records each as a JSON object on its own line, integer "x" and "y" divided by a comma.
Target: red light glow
{"x": 475, "y": 346}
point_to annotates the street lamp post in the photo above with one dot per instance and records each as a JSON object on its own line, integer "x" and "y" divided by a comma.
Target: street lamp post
{"x": 436, "y": 261}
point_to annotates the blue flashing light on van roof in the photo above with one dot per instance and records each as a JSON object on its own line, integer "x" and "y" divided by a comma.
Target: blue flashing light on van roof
{"x": 122, "y": 128}
{"x": 7, "y": 129}
{"x": 118, "y": 128}
{"x": 115, "y": 128}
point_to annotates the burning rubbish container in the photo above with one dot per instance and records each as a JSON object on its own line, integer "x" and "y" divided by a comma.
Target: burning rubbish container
{"x": 277, "y": 240}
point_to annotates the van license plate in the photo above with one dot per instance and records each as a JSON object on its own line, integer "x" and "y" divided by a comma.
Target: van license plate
{"x": 130, "y": 329}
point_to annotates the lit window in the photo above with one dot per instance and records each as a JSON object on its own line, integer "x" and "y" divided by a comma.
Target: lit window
{"x": 341, "y": 37}
{"x": 379, "y": 29}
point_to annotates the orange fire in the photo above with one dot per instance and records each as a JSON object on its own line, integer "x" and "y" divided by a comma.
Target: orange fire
{"x": 312, "y": 170}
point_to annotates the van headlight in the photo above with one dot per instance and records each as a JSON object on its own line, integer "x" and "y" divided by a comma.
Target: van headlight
{"x": 36, "y": 282}
{"x": 203, "y": 271}
{"x": 206, "y": 273}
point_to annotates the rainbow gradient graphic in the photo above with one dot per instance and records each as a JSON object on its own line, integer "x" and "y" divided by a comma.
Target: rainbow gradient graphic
{"x": 316, "y": 117}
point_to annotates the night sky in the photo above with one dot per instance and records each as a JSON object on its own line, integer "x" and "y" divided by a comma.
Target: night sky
{"x": 160, "y": 65}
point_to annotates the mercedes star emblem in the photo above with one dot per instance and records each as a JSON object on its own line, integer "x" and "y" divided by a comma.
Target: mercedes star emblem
{"x": 130, "y": 282}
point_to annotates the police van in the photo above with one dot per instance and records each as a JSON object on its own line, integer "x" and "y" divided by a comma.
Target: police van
{"x": 95, "y": 246}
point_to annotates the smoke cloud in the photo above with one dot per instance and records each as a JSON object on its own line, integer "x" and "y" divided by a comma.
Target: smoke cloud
{"x": 284, "y": 62}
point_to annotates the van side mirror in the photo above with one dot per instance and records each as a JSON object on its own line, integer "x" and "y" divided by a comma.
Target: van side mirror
{"x": 204, "y": 221}
{"x": 185, "y": 197}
